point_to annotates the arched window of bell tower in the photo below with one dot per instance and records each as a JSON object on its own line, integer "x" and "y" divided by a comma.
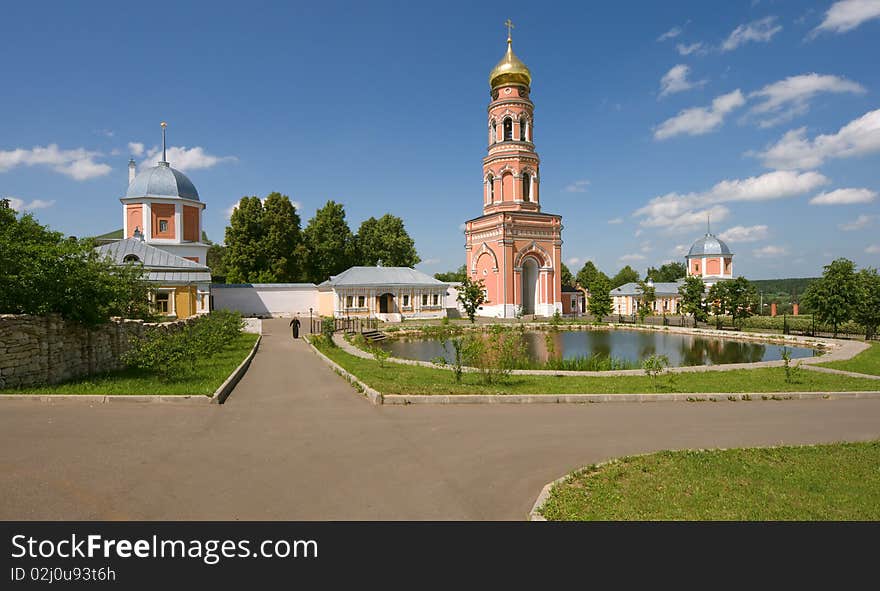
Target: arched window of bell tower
{"x": 508, "y": 129}
{"x": 490, "y": 191}
{"x": 526, "y": 186}
{"x": 523, "y": 128}
{"x": 493, "y": 134}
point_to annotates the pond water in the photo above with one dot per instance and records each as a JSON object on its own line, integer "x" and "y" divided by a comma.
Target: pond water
{"x": 631, "y": 346}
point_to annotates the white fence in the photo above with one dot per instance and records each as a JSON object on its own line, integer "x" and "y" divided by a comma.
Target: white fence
{"x": 266, "y": 299}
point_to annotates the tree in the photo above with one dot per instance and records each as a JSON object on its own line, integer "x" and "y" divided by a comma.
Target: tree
{"x": 832, "y": 296}
{"x": 624, "y": 276}
{"x": 866, "y": 309}
{"x": 600, "y": 298}
{"x": 668, "y": 273}
{"x": 245, "y": 257}
{"x": 453, "y": 276}
{"x": 567, "y": 277}
{"x": 329, "y": 243}
{"x": 646, "y": 298}
{"x": 719, "y": 301}
{"x": 42, "y": 272}
{"x": 215, "y": 262}
{"x": 692, "y": 293}
{"x": 262, "y": 241}
{"x": 282, "y": 236}
{"x": 588, "y": 275}
{"x": 471, "y": 295}
{"x": 385, "y": 240}
{"x": 737, "y": 297}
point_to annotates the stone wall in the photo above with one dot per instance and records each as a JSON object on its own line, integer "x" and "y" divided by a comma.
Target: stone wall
{"x": 36, "y": 350}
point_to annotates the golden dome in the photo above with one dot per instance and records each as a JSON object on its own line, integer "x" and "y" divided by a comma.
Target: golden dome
{"x": 510, "y": 70}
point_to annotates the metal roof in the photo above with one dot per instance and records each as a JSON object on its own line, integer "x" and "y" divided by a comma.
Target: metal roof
{"x": 162, "y": 181}
{"x": 160, "y": 265}
{"x": 633, "y": 289}
{"x": 708, "y": 245}
{"x": 179, "y": 277}
{"x": 368, "y": 276}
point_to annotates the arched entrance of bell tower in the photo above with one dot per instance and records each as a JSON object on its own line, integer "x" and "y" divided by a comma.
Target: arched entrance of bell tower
{"x": 529, "y": 285}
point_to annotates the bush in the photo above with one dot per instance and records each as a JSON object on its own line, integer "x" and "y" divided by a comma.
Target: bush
{"x": 328, "y": 327}
{"x": 171, "y": 352}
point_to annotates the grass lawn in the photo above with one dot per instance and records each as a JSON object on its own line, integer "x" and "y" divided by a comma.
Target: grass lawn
{"x": 410, "y": 379}
{"x": 210, "y": 372}
{"x": 867, "y": 361}
{"x": 823, "y": 482}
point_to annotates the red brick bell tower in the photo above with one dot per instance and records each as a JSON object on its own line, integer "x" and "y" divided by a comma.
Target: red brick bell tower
{"x": 513, "y": 247}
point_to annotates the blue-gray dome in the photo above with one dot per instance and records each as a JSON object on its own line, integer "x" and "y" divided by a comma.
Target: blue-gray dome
{"x": 708, "y": 245}
{"x": 162, "y": 181}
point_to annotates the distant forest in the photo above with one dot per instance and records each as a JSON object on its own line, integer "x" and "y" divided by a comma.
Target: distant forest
{"x": 783, "y": 286}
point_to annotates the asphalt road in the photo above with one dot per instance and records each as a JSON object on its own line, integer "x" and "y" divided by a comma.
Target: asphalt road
{"x": 295, "y": 442}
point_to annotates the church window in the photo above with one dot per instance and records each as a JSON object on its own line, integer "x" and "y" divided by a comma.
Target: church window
{"x": 406, "y": 301}
{"x": 131, "y": 258}
{"x": 522, "y": 130}
{"x": 508, "y": 129}
{"x": 163, "y": 226}
{"x": 493, "y": 133}
{"x": 362, "y": 300}
{"x": 162, "y": 301}
{"x": 526, "y": 186}
{"x": 436, "y": 299}
{"x": 349, "y": 301}
{"x": 424, "y": 299}
{"x": 491, "y": 189}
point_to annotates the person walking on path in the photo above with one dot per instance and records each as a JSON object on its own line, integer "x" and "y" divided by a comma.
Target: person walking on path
{"x": 294, "y": 322}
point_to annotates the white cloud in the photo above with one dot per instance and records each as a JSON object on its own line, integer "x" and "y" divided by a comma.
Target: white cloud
{"x": 863, "y": 221}
{"x": 859, "y": 136}
{"x": 645, "y": 247}
{"x": 700, "y": 120}
{"x": 684, "y": 210}
{"x": 615, "y": 221}
{"x": 770, "y": 252}
{"x": 670, "y": 34}
{"x": 136, "y": 149}
{"x": 429, "y": 262}
{"x": 680, "y": 250}
{"x": 846, "y": 15}
{"x": 461, "y": 227}
{"x": 573, "y": 261}
{"x": 630, "y": 258}
{"x": 844, "y": 197}
{"x": 21, "y": 205}
{"x": 577, "y": 186}
{"x": 183, "y": 158}
{"x": 759, "y": 31}
{"x": 873, "y": 249}
{"x": 744, "y": 234}
{"x": 79, "y": 163}
{"x": 785, "y": 99}
{"x": 676, "y": 80}
{"x": 696, "y": 48}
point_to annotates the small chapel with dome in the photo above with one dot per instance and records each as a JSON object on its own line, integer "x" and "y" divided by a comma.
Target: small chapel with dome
{"x": 162, "y": 230}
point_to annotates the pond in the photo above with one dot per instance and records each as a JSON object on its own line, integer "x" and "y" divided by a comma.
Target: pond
{"x": 629, "y": 346}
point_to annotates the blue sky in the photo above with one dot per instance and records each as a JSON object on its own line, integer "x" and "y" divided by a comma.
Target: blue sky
{"x": 648, "y": 115}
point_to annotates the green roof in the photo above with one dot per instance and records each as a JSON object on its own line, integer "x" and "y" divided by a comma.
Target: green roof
{"x": 114, "y": 235}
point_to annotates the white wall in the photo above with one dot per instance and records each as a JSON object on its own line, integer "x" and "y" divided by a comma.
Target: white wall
{"x": 266, "y": 299}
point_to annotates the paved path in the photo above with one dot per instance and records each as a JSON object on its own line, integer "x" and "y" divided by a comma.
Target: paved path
{"x": 296, "y": 442}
